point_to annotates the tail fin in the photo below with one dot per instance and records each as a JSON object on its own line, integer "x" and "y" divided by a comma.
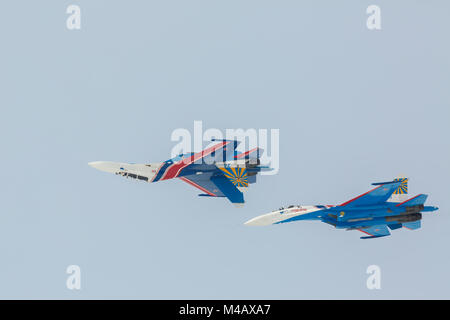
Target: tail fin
{"x": 238, "y": 176}
{"x": 414, "y": 201}
{"x": 401, "y": 193}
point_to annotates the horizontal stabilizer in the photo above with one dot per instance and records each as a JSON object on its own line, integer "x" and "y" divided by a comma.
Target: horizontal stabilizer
{"x": 412, "y": 225}
{"x": 386, "y": 182}
{"x": 417, "y": 200}
{"x": 373, "y": 237}
{"x": 375, "y": 232}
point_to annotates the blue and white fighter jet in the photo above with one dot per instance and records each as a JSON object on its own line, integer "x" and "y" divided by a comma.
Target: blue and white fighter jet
{"x": 218, "y": 171}
{"x": 373, "y": 212}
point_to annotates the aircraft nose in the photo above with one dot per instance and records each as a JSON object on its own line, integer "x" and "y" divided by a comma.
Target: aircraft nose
{"x": 263, "y": 220}
{"x": 253, "y": 222}
{"x": 105, "y": 166}
{"x": 95, "y": 164}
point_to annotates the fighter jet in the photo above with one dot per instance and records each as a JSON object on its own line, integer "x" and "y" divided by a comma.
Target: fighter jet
{"x": 218, "y": 171}
{"x": 373, "y": 212}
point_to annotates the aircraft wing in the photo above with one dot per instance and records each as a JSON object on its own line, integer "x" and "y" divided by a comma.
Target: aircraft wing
{"x": 375, "y": 196}
{"x": 215, "y": 186}
{"x": 375, "y": 231}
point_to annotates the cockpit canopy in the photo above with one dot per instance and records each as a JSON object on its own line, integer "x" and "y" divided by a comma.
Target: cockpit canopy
{"x": 288, "y": 207}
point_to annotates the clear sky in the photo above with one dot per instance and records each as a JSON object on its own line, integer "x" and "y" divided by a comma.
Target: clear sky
{"x": 353, "y": 107}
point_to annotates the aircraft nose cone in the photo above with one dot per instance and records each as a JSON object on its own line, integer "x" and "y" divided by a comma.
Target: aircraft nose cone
{"x": 263, "y": 220}
{"x": 95, "y": 164}
{"x": 105, "y": 166}
{"x": 252, "y": 222}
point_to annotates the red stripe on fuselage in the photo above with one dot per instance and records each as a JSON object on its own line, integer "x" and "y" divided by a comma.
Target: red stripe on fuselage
{"x": 245, "y": 153}
{"x": 174, "y": 170}
{"x": 157, "y": 171}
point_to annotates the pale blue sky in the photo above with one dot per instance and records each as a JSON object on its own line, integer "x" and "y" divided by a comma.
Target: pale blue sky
{"x": 353, "y": 107}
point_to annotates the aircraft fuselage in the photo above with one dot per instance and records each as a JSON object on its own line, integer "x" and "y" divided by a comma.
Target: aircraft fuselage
{"x": 345, "y": 217}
